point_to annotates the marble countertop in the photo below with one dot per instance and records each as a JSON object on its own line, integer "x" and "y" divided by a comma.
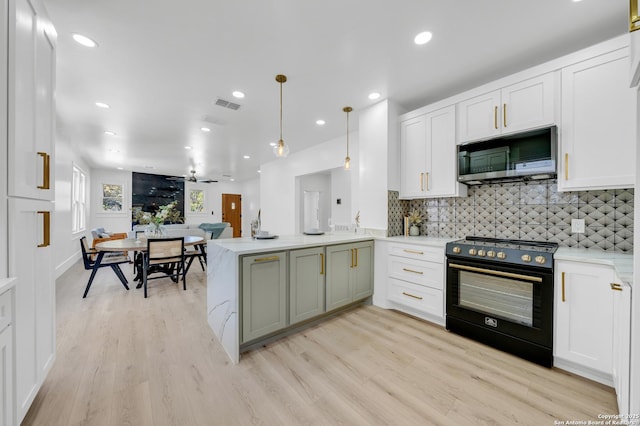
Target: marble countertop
{"x": 249, "y": 245}
{"x": 421, "y": 240}
{"x": 6, "y": 284}
{"x": 622, "y": 263}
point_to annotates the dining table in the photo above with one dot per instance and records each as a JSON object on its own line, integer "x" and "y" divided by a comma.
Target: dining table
{"x": 139, "y": 245}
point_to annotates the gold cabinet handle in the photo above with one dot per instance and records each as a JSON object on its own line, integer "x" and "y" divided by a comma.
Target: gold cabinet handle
{"x": 412, "y": 295}
{"x": 356, "y": 250}
{"x": 411, "y": 270}
{"x": 46, "y": 166}
{"x": 495, "y": 117}
{"x": 504, "y": 115}
{"x": 46, "y": 229}
{"x": 413, "y": 251}
{"x": 267, "y": 259}
{"x": 566, "y": 166}
{"x": 421, "y": 181}
{"x": 351, "y": 258}
{"x": 616, "y": 286}
{"x": 563, "y": 296}
{"x": 321, "y": 263}
{"x": 426, "y": 175}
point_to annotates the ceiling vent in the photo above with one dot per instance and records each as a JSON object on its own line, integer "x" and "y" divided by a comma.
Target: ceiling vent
{"x": 227, "y": 104}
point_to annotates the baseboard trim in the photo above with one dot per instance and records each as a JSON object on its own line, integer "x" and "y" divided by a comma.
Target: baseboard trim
{"x": 65, "y": 265}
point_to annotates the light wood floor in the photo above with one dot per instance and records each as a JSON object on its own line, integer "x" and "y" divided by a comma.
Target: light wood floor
{"x": 124, "y": 360}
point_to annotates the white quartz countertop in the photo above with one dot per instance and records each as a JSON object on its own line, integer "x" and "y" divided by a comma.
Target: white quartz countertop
{"x": 249, "y": 245}
{"x": 421, "y": 240}
{"x": 622, "y": 263}
{"x": 6, "y": 284}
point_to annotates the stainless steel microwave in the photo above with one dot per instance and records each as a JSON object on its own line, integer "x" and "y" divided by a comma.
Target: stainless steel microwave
{"x": 522, "y": 156}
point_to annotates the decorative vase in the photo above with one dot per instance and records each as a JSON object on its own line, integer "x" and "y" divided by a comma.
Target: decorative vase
{"x": 155, "y": 230}
{"x": 414, "y": 230}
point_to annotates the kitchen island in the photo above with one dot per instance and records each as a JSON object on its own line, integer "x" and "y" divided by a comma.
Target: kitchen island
{"x": 260, "y": 289}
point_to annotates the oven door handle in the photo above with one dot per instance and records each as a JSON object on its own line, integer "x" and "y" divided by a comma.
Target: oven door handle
{"x": 497, "y": 273}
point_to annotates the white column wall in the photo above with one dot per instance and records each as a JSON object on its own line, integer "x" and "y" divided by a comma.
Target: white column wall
{"x": 66, "y": 243}
{"x": 250, "y": 204}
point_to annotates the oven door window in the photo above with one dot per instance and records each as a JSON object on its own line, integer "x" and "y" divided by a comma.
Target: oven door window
{"x": 507, "y": 298}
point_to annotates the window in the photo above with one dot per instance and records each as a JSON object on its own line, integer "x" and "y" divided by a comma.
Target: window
{"x": 78, "y": 200}
{"x": 112, "y": 197}
{"x": 196, "y": 200}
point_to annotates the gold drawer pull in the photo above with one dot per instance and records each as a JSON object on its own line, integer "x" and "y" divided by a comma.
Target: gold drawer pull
{"x": 46, "y": 166}
{"x": 413, "y": 251}
{"x": 616, "y": 287}
{"x": 412, "y": 295}
{"x": 321, "y": 263}
{"x": 563, "y": 298}
{"x": 421, "y": 181}
{"x": 504, "y": 114}
{"x": 566, "y": 166}
{"x": 46, "y": 229}
{"x": 495, "y": 117}
{"x": 411, "y": 270}
{"x": 426, "y": 178}
{"x": 267, "y": 259}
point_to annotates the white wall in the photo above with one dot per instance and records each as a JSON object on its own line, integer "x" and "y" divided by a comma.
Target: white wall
{"x": 110, "y": 221}
{"x": 65, "y": 242}
{"x": 341, "y": 189}
{"x": 278, "y": 180}
{"x": 373, "y": 154}
{"x": 213, "y": 201}
{"x": 318, "y": 182}
{"x": 250, "y": 204}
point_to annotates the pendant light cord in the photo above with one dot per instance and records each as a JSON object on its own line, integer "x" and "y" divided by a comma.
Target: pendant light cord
{"x": 281, "y": 110}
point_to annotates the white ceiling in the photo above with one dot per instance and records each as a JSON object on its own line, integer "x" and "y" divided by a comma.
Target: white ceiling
{"x": 161, "y": 65}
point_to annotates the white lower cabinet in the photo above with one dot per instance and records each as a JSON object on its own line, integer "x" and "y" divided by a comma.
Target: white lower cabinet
{"x": 416, "y": 280}
{"x": 621, "y": 343}
{"x": 584, "y": 320}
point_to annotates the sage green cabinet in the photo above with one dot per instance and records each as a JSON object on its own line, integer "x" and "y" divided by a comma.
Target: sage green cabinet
{"x": 349, "y": 273}
{"x": 306, "y": 272}
{"x": 264, "y": 294}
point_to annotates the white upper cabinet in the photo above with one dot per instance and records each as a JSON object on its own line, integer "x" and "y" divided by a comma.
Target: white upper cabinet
{"x": 597, "y": 147}
{"x": 525, "y": 105}
{"x": 428, "y": 156}
{"x": 31, "y": 101}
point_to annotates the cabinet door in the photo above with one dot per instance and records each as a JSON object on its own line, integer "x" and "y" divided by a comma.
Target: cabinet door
{"x": 598, "y": 125}
{"x": 264, "y": 294}
{"x": 363, "y": 271}
{"x": 621, "y": 343}
{"x": 584, "y": 315}
{"x": 30, "y": 259}
{"x": 31, "y": 101}
{"x": 413, "y": 149}
{"x": 6, "y": 377}
{"x": 306, "y": 284}
{"x": 528, "y": 104}
{"x": 441, "y": 177}
{"x": 479, "y": 117}
{"x": 340, "y": 262}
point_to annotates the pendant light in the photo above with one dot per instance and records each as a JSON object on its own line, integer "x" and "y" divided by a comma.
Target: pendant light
{"x": 347, "y": 160}
{"x": 281, "y": 150}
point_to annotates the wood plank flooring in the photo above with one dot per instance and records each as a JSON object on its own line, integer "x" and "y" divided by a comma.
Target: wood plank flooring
{"x": 126, "y": 360}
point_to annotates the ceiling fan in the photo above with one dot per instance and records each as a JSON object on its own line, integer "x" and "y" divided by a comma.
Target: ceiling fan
{"x": 191, "y": 178}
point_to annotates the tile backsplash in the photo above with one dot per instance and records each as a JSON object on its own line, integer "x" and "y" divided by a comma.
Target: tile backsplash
{"x": 527, "y": 211}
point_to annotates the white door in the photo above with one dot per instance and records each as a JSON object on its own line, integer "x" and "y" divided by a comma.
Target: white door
{"x": 479, "y": 117}
{"x": 442, "y": 172}
{"x": 621, "y": 343}
{"x": 528, "y": 104}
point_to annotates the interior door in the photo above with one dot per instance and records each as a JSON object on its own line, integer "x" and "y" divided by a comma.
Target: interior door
{"x": 232, "y": 212}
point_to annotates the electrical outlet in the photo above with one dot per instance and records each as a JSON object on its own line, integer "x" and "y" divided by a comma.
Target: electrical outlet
{"x": 577, "y": 226}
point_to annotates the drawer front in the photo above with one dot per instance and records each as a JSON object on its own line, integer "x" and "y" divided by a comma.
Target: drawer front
{"x": 424, "y": 299}
{"x": 5, "y": 309}
{"x": 428, "y": 274}
{"x": 431, "y": 254}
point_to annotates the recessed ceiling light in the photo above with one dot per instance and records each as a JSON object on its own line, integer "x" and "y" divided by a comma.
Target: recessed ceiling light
{"x": 320, "y": 122}
{"x": 109, "y": 133}
{"x": 187, "y": 148}
{"x": 246, "y": 157}
{"x": 576, "y": 1}
{"x": 259, "y": 171}
{"x": 423, "y": 38}
{"x": 205, "y": 129}
{"x": 84, "y": 40}
{"x": 232, "y": 179}
{"x": 273, "y": 144}
{"x": 374, "y": 95}
{"x": 120, "y": 168}
{"x": 238, "y": 94}
{"x": 102, "y": 105}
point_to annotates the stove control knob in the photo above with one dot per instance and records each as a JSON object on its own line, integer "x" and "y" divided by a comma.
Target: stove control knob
{"x": 491, "y": 253}
{"x": 472, "y": 252}
{"x": 456, "y": 250}
{"x": 526, "y": 258}
{"x": 502, "y": 255}
{"x": 481, "y": 253}
{"x": 541, "y": 260}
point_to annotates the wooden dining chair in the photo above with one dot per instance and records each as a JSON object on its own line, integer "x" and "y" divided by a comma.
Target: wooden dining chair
{"x": 165, "y": 256}
{"x": 112, "y": 260}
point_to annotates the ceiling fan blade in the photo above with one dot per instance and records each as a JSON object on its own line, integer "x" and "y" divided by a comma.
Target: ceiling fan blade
{"x": 175, "y": 178}
{"x": 207, "y": 181}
